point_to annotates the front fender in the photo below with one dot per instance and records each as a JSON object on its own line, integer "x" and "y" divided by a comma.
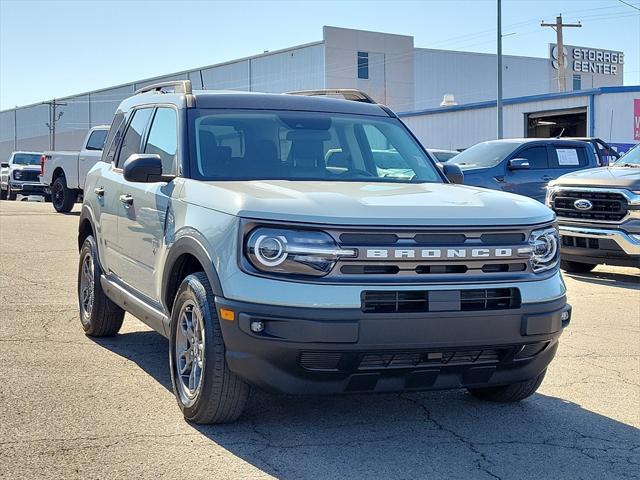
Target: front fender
{"x": 192, "y": 243}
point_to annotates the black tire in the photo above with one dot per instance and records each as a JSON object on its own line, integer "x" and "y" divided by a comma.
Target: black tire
{"x": 220, "y": 395}
{"x": 103, "y": 318}
{"x": 508, "y": 393}
{"x": 11, "y": 195}
{"x": 62, "y": 197}
{"x": 576, "y": 267}
{"x": 3, "y": 194}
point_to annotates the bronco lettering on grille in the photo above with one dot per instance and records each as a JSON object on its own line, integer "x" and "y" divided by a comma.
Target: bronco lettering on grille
{"x": 412, "y": 253}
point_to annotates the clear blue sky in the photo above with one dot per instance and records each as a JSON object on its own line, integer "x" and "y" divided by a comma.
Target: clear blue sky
{"x": 57, "y": 48}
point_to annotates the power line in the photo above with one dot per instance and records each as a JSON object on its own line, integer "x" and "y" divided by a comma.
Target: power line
{"x": 558, "y": 26}
{"x": 630, "y": 5}
{"x": 53, "y": 119}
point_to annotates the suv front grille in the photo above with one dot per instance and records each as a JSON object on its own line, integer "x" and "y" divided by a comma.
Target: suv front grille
{"x": 415, "y": 301}
{"x": 27, "y": 175}
{"x": 607, "y": 206}
{"x": 398, "y": 255}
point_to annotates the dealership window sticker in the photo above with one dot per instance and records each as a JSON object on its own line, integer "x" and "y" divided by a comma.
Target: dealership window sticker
{"x": 567, "y": 156}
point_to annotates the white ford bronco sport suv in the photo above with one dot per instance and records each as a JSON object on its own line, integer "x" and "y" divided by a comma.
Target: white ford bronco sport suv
{"x": 216, "y": 219}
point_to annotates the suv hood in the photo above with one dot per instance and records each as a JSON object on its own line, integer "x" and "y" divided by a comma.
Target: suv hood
{"x": 617, "y": 177}
{"x": 364, "y": 203}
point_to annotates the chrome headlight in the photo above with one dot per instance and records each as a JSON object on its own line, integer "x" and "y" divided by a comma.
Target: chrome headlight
{"x": 293, "y": 252}
{"x": 17, "y": 174}
{"x": 544, "y": 247}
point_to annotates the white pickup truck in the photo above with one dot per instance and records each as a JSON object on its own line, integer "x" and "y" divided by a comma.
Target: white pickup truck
{"x": 64, "y": 173}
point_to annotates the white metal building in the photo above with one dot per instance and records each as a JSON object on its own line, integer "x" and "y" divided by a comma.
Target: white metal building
{"x": 387, "y": 66}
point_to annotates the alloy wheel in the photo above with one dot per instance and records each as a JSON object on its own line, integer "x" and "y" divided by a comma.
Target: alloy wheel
{"x": 86, "y": 290}
{"x": 189, "y": 352}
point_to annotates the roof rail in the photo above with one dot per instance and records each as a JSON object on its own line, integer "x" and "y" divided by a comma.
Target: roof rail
{"x": 346, "y": 93}
{"x": 178, "y": 86}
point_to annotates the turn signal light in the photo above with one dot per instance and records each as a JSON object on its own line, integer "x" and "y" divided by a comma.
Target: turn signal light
{"x": 226, "y": 314}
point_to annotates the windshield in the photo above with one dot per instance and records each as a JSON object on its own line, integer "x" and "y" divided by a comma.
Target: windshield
{"x": 26, "y": 159}
{"x": 629, "y": 159}
{"x": 485, "y": 155}
{"x": 260, "y": 145}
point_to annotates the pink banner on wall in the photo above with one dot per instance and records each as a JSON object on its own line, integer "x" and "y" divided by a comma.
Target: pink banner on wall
{"x": 636, "y": 118}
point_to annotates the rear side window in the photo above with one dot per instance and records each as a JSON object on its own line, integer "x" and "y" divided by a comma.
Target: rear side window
{"x": 569, "y": 157}
{"x": 113, "y": 139}
{"x": 96, "y": 140}
{"x": 163, "y": 139}
{"x": 537, "y": 157}
{"x": 131, "y": 143}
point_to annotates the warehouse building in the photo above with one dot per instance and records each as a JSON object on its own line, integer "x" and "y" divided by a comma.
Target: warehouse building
{"x": 610, "y": 113}
{"x": 386, "y": 66}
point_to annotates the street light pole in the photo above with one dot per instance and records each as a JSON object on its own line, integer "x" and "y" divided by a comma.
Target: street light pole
{"x": 499, "y": 92}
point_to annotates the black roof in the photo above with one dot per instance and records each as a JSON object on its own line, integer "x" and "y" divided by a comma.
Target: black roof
{"x": 229, "y": 99}
{"x": 278, "y": 101}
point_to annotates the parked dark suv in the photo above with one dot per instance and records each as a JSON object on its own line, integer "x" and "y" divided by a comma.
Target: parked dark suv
{"x": 523, "y": 166}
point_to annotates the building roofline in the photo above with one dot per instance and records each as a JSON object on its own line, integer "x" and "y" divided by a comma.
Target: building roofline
{"x": 181, "y": 72}
{"x": 524, "y": 99}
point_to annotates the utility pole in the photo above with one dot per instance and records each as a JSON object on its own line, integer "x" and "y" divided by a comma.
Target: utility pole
{"x": 53, "y": 119}
{"x": 499, "y": 92}
{"x": 558, "y": 26}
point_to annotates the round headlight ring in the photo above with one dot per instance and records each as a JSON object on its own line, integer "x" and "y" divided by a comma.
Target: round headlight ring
{"x": 544, "y": 249}
{"x": 270, "y": 251}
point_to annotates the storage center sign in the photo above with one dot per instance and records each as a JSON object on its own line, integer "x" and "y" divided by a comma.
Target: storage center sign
{"x": 589, "y": 60}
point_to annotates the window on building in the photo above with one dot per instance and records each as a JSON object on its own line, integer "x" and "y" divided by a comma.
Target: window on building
{"x": 363, "y": 65}
{"x": 577, "y": 82}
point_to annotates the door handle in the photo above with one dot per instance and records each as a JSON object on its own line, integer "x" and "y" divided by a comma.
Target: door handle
{"x": 127, "y": 200}
{"x": 99, "y": 191}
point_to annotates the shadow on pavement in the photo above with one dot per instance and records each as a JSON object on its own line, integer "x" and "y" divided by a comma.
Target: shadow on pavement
{"x": 418, "y": 435}
{"x": 610, "y": 279}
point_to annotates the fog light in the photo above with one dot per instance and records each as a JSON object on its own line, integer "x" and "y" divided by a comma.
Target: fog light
{"x": 564, "y": 316}
{"x": 257, "y": 327}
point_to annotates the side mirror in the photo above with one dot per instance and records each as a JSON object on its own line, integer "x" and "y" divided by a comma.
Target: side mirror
{"x": 519, "y": 164}
{"x": 144, "y": 168}
{"x": 453, "y": 173}
{"x": 4, "y": 165}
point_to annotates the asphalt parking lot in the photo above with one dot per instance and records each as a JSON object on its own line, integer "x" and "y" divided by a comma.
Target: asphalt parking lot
{"x": 75, "y": 407}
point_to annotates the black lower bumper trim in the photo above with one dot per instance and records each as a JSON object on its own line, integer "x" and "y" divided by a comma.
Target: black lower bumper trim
{"x": 318, "y": 351}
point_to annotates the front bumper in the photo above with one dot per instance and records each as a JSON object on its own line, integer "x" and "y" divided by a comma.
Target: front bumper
{"x": 27, "y": 188}
{"x": 611, "y": 246}
{"x": 323, "y": 351}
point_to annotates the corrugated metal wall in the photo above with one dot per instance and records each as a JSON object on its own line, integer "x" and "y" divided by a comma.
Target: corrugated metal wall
{"x": 614, "y": 117}
{"x": 472, "y": 77}
{"x": 294, "y": 69}
{"x": 464, "y": 128}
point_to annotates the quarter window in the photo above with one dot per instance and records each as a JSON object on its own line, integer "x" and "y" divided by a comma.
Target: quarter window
{"x": 131, "y": 143}
{"x": 163, "y": 139}
{"x": 363, "y": 65}
{"x": 113, "y": 139}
